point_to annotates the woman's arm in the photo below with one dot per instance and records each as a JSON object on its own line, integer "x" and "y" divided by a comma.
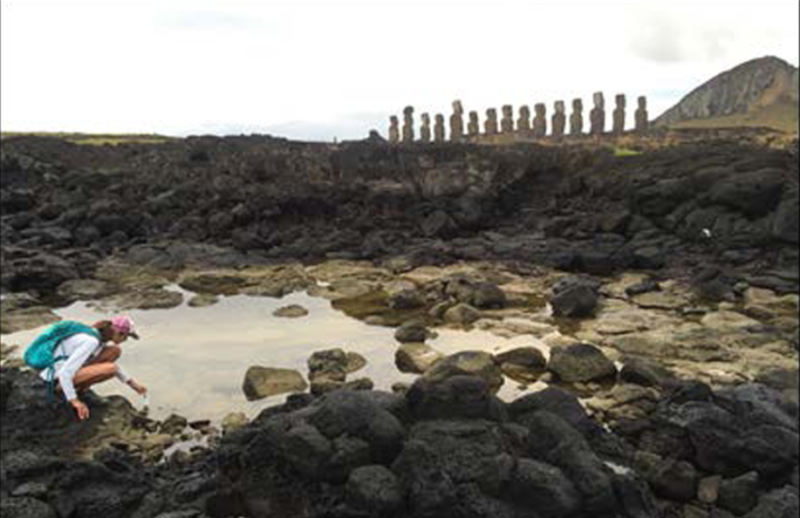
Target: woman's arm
{"x": 87, "y": 345}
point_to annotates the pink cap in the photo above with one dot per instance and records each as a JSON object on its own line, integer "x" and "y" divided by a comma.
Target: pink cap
{"x": 124, "y": 324}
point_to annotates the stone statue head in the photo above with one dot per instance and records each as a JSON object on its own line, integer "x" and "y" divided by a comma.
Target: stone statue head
{"x": 408, "y": 111}
{"x": 642, "y": 100}
{"x": 559, "y": 107}
{"x": 620, "y": 100}
{"x": 599, "y": 101}
{"x": 508, "y": 111}
{"x": 457, "y": 108}
{"x": 577, "y": 105}
{"x": 439, "y": 118}
{"x": 540, "y": 109}
{"x": 394, "y": 120}
{"x": 426, "y": 118}
{"x": 491, "y": 113}
{"x": 473, "y": 116}
{"x": 525, "y": 111}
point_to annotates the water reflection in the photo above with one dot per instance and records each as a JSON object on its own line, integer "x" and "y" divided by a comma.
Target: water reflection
{"x": 193, "y": 360}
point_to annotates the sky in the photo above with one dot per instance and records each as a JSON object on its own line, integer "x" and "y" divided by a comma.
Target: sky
{"x": 314, "y": 70}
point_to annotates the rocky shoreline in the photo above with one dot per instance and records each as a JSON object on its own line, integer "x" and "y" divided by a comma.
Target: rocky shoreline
{"x": 672, "y": 390}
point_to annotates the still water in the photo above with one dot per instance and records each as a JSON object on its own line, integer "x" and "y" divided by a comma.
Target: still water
{"x": 193, "y": 360}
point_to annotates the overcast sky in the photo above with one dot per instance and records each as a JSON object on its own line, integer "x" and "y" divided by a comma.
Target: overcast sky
{"x": 319, "y": 70}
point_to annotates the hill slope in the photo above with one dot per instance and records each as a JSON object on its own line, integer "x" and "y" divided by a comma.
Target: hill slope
{"x": 760, "y": 92}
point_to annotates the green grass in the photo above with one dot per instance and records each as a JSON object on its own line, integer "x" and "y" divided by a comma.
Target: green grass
{"x": 94, "y": 139}
{"x": 623, "y": 151}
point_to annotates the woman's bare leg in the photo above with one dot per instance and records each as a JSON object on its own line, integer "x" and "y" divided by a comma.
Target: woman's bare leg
{"x": 93, "y": 374}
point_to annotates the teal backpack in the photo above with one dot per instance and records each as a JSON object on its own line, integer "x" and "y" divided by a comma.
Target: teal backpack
{"x": 40, "y": 353}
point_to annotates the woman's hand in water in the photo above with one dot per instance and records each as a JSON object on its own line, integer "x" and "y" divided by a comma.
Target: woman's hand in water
{"x": 140, "y": 389}
{"x": 81, "y": 410}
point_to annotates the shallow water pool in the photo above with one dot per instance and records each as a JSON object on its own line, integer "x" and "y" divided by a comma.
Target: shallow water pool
{"x": 193, "y": 360}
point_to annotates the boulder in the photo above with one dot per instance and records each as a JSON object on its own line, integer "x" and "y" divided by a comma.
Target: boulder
{"x": 467, "y": 363}
{"x": 416, "y": 358}
{"x": 262, "y": 382}
{"x": 644, "y": 372}
{"x": 457, "y": 397}
{"x": 411, "y": 331}
{"x": 581, "y": 363}
{"x": 406, "y": 299}
{"x": 739, "y": 495}
{"x": 461, "y": 314}
{"x": 291, "y": 311}
{"x": 579, "y": 301}
{"x": 755, "y": 193}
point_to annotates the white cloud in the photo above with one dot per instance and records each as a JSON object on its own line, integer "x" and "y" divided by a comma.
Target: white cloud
{"x": 313, "y": 69}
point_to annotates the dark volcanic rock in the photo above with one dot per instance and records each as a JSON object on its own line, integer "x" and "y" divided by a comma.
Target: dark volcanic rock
{"x": 580, "y": 363}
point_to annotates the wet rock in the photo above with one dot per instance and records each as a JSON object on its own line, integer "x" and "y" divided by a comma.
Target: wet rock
{"x": 233, "y": 421}
{"x": 647, "y": 373}
{"x": 27, "y": 318}
{"x": 174, "y": 424}
{"x": 577, "y": 301}
{"x": 355, "y": 362}
{"x": 648, "y": 285}
{"x": 291, "y": 311}
{"x": 148, "y": 299}
{"x": 525, "y": 364}
{"x": 375, "y": 490}
{"x": 212, "y": 283}
{"x": 330, "y": 360}
{"x": 262, "y": 382}
{"x": 416, "y": 358}
{"x": 203, "y": 300}
{"x": 487, "y": 295}
{"x": 581, "y": 363}
{"x": 467, "y": 363}
{"x": 85, "y": 289}
{"x": 411, "y": 332}
{"x": 461, "y": 314}
{"x": 407, "y": 299}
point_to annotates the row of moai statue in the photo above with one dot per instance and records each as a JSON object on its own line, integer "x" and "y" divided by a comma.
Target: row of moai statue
{"x": 536, "y": 127}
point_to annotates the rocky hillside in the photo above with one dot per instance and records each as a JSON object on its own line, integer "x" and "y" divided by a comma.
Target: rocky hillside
{"x": 762, "y": 92}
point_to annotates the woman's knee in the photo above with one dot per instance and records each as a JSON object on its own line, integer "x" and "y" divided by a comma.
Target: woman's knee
{"x": 111, "y": 353}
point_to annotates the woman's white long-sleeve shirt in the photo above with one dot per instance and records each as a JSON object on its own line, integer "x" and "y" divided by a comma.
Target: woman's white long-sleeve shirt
{"x": 78, "y": 349}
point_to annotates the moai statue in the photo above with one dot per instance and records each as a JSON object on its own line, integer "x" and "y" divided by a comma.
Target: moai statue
{"x": 576, "y": 118}
{"x": 539, "y": 120}
{"x": 490, "y": 124}
{"x": 507, "y": 122}
{"x": 642, "y": 120}
{"x": 597, "y": 117}
{"x": 408, "y": 124}
{"x": 425, "y": 129}
{"x": 559, "y": 120}
{"x": 438, "y": 128}
{"x": 457, "y": 122}
{"x": 473, "y": 126}
{"x": 619, "y": 115}
{"x": 394, "y": 130}
{"x": 524, "y": 121}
